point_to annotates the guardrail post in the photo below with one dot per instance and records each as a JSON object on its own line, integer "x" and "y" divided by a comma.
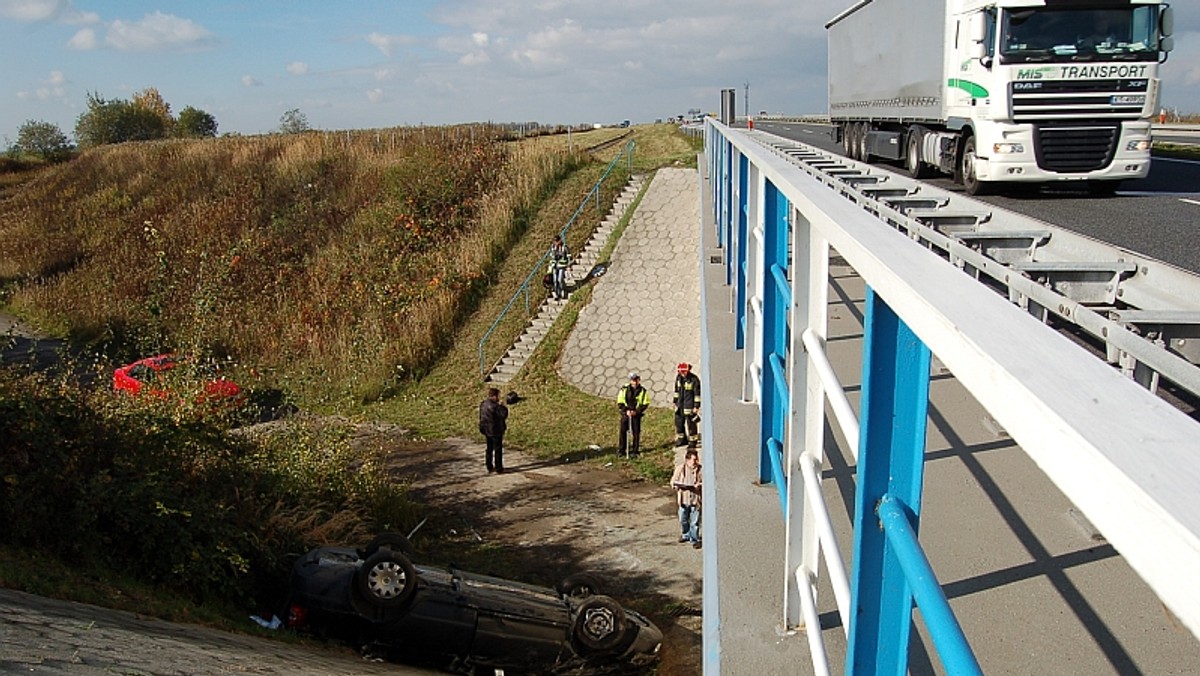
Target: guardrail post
{"x": 740, "y": 251}
{"x": 895, "y": 402}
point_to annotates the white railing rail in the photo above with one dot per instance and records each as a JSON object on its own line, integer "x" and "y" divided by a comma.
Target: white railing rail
{"x": 1129, "y": 461}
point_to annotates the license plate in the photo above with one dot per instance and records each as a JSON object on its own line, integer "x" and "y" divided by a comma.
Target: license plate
{"x": 1129, "y": 100}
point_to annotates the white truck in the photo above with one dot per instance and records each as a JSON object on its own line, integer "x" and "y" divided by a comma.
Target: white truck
{"x": 1000, "y": 91}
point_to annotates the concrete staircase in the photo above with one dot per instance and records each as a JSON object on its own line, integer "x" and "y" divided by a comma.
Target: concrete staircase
{"x": 537, "y": 328}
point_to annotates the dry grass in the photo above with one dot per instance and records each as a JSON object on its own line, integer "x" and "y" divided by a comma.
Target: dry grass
{"x": 335, "y": 264}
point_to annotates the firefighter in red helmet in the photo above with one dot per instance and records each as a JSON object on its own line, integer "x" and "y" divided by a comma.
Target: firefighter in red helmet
{"x": 687, "y": 406}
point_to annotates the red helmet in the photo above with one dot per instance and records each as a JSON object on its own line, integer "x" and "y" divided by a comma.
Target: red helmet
{"x": 684, "y": 367}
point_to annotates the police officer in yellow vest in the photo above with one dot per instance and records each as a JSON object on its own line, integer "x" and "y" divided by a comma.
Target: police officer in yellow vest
{"x": 687, "y": 406}
{"x": 632, "y": 401}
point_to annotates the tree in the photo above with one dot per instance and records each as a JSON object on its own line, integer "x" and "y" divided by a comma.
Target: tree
{"x": 293, "y": 122}
{"x": 117, "y": 121}
{"x": 151, "y": 101}
{"x": 43, "y": 139}
{"x": 195, "y": 123}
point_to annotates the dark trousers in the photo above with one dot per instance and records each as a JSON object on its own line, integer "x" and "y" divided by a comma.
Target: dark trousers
{"x": 495, "y": 452}
{"x": 685, "y": 430}
{"x": 630, "y": 426}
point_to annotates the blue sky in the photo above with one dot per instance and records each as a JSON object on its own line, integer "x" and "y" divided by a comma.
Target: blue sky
{"x": 371, "y": 63}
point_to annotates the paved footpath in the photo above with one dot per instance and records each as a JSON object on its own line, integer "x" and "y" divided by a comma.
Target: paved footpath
{"x": 644, "y": 314}
{"x": 46, "y": 636}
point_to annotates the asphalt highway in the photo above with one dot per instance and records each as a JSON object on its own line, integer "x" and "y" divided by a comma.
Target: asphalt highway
{"x": 1157, "y": 216}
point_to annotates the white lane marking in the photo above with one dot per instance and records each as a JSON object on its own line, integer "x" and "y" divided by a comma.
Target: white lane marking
{"x": 1150, "y": 193}
{"x": 1196, "y": 202}
{"x": 1174, "y": 159}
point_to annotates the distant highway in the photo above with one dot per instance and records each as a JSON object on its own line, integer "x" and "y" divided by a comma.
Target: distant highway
{"x": 1158, "y": 216}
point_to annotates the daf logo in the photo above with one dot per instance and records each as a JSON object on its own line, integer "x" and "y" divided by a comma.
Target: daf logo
{"x": 1027, "y": 85}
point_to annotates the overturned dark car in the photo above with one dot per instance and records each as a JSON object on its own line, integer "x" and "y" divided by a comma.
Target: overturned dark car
{"x": 377, "y": 598}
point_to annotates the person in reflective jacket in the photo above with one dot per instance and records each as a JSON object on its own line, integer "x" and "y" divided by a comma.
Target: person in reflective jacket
{"x": 687, "y": 406}
{"x": 632, "y": 401}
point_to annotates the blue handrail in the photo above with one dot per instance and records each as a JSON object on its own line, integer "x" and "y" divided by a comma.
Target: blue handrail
{"x": 535, "y": 273}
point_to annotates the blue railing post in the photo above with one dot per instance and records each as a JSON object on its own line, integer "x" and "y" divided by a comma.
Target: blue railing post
{"x": 895, "y": 402}
{"x": 774, "y": 398}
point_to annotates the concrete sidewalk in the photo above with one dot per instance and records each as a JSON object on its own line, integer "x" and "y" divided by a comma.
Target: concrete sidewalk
{"x": 644, "y": 314}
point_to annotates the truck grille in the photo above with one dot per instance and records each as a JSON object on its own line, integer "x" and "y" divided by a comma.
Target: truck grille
{"x": 1034, "y": 100}
{"x": 1075, "y": 148}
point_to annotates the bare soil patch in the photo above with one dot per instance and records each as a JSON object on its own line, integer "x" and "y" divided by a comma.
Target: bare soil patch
{"x": 551, "y": 518}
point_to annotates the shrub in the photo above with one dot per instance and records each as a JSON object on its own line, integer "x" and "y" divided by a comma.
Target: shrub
{"x": 148, "y": 487}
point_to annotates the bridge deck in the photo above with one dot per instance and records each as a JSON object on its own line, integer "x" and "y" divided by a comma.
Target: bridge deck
{"x": 1036, "y": 589}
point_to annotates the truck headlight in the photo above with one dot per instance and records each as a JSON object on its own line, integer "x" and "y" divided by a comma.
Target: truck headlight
{"x": 1008, "y": 148}
{"x": 1139, "y": 146}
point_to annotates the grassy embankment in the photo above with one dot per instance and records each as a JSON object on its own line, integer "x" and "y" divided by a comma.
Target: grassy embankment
{"x": 335, "y": 270}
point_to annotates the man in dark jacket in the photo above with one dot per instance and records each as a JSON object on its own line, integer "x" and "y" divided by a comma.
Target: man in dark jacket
{"x": 493, "y": 422}
{"x": 632, "y": 401}
{"x": 687, "y": 406}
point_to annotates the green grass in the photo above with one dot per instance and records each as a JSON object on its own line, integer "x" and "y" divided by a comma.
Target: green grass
{"x": 1177, "y": 151}
{"x": 61, "y": 421}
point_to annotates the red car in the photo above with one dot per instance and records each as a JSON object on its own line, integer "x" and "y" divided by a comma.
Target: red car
{"x": 149, "y": 376}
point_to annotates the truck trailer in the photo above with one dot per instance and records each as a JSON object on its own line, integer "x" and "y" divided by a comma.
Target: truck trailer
{"x": 1000, "y": 92}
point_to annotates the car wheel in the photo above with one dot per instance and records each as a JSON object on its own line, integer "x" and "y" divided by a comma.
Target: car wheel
{"x": 396, "y": 542}
{"x": 387, "y": 579}
{"x": 579, "y": 586}
{"x": 599, "y": 624}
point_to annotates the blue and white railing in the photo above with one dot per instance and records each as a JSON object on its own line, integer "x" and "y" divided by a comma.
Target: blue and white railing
{"x": 1126, "y": 459}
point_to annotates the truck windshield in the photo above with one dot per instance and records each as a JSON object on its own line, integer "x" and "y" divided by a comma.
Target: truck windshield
{"x": 1110, "y": 34}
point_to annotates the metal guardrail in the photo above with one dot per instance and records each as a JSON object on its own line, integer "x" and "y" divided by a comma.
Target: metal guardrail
{"x": 523, "y": 291}
{"x": 1126, "y": 459}
{"x": 1143, "y": 314}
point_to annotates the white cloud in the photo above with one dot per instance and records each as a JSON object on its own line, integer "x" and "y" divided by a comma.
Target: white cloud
{"x": 250, "y": 81}
{"x": 45, "y": 10}
{"x": 83, "y": 41}
{"x": 375, "y": 95}
{"x": 480, "y": 39}
{"x": 387, "y": 44}
{"x": 477, "y": 58}
{"x": 157, "y": 32}
{"x": 52, "y": 88}
{"x": 297, "y": 68}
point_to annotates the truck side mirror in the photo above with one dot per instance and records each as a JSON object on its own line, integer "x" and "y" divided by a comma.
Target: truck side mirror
{"x": 1166, "y": 43}
{"x": 1166, "y": 22}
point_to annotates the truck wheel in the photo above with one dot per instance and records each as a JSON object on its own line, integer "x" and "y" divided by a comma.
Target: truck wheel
{"x": 847, "y": 143}
{"x": 912, "y": 157}
{"x": 971, "y": 183}
{"x": 864, "y": 155}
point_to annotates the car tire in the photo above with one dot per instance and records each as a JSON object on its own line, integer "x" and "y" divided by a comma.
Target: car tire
{"x": 396, "y": 542}
{"x": 579, "y": 586}
{"x": 600, "y": 624}
{"x": 387, "y": 579}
